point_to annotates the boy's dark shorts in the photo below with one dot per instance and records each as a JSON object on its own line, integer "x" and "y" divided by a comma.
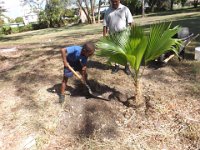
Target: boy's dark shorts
{"x": 75, "y": 65}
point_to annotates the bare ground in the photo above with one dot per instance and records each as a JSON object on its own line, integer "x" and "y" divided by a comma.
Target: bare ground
{"x": 32, "y": 118}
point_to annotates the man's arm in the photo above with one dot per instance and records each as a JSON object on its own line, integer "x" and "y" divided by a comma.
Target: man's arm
{"x": 129, "y": 17}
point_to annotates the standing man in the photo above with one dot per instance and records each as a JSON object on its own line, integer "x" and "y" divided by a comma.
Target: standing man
{"x": 116, "y": 19}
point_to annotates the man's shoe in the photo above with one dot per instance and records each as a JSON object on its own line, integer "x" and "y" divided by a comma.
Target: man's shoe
{"x": 115, "y": 69}
{"x": 127, "y": 70}
{"x": 61, "y": 98}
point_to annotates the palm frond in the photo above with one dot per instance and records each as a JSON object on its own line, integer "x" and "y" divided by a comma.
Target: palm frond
{"x": 161, "y": 41}
{"x": 133, "y": 45}
{"x": 111, "y": 48}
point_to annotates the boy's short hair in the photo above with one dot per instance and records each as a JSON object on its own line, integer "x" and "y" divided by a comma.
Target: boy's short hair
{"x": 89, "y": 46}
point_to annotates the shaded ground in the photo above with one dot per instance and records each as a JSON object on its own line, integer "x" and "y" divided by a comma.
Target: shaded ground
{"x": 32, "y": 118}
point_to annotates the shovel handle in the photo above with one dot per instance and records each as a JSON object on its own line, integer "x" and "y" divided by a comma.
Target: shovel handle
{"x": 74, "y": 72}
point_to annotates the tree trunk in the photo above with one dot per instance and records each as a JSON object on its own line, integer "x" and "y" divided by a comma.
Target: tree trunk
{"x": 92, "y": 3}
{"x": 85, "y": 11}
{"x": 99, "y": 15}
{"x": 88, "y": 12}
{"x": 171, "y": 4}
{"x": 143, "y": 9}
{"x": 138, "y": 97}
{"x": 140, "y": 103}
{"x": 152, "y": 5}
{"x": 195, "y": 3}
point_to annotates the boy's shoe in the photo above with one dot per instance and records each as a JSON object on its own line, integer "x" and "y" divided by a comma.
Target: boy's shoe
{"x": 127, "y": 70}
{"x": 61, "y": 98}
{"x": 115, "y": 69}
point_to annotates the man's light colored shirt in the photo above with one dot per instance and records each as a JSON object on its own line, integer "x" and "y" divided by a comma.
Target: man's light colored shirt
{"x": 117, "y": 19}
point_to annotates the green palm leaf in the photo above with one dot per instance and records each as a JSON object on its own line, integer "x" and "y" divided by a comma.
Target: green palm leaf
{"x": 133, "y": 45}
{"x": 136, "y": 45}
{"x": 161, "y": 41}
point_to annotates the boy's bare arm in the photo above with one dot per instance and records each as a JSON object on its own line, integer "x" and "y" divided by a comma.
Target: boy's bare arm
{"x": 83, "y": 73}
{"x": 64, "y": 54}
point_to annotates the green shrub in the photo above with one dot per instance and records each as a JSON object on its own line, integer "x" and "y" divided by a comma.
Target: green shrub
{"x": 6, "y": 30}
{"x": 25, "y": 28}
{"x": 15, "y": 30}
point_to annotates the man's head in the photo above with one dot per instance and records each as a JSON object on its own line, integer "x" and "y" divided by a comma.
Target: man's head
{"x": 88, "y": 49}
{"x": 115, "y": 3}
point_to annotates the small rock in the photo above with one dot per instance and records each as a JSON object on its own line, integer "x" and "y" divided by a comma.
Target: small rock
{"x": 29, "y": 142}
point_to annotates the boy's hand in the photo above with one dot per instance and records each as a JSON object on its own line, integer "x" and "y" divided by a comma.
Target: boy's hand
{"x": 66, "y": 64}
{"x": 84, "y": 68}
{"x": 84, "y": 74}
{"x": 83, "y": 80}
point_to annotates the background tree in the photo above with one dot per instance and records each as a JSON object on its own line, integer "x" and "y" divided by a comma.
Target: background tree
{"x": 99, "y": 6}
{"x": 53, "y": 14}
{"x": 183, "y": 2}
{"x": 2, "y": 9}
{"x": 172, "y": 2}
{"x": 195, "y": 3}
{"x": 162, "y": 5}
{"x": 83, "y": 5}
{"x": 19, "y": 20}
{"x": 1, "y": 22}
{"x": 133, "y": 5}
{"x": 1, "y": 13}
{"x": 35, "y": 5}
{"x": 92, "y": 5}
{"x": 143, "y": 8}
{"x": 152, "y": 4}
{"x": 88, "y": 7}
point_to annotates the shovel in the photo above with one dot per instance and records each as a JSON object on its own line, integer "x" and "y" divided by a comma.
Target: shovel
{"x": 87, "y": 86}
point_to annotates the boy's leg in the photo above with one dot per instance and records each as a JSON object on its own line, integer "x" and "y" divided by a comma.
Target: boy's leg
{"x": 63, "y": 85}
{"x": 66, "y": 74}
{"x": 62, "y": 91}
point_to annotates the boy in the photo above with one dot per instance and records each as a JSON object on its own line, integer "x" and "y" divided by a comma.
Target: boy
{"x": 76, "y": 57}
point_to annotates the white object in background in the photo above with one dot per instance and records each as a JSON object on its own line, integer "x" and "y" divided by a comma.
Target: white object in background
{"x": 8, "y": 49}
{"x": 197, "y": 53}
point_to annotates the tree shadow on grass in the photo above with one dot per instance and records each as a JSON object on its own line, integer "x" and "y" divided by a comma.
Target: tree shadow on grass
{"x": 25, "y": 84}
{"x": 192, "y": 22}
{"x": 184, "y": 10}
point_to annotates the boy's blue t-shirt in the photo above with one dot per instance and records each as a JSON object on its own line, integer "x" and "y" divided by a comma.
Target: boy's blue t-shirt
{"x": 74, "y": 54}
